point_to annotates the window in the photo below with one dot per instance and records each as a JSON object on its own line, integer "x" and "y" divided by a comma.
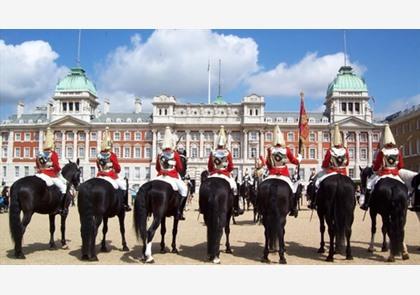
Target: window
{"x": 70, "y": 106}
{"x": 36, "y": 136}
{"x": 410, "y": 147}
{"x": 269, "y": 136}
{"x": 363, "y": 137}
{"x": 312, "y": 153}
{"x": 290, "y": 136}
{"x": 357, "y": 107}
{"x": 17, "y": 136}
{"x": 149, "y": 135}
{"x": 148, "y": 152}
{"x": 375, "y": 137}
{"x": 17, "y": 172}
{"x": 117, "y": 151}
{"x": 256, "y": 112}
{"x": 325, "y": 136}
{"x": 127, "y": 136}
{"x": 64, "y": 106}
{"x": 69, "y": 152}
{"x": 81, "y": 152}
{"x": 26, "y": 152}
{"x": 253, "y": 135}
{"x": 235, "y": 153}
{"x": 4, "y": 172}
{"x": 302, "y": 173}
{"x": 137, "y": 152}
{"x": 127, "y": 172}
{"x": 93, "y": 152}
{"x": 4, "y": 151}
{"x": 58, "y": 151}
{"x": 76, "y": 106}
{"x": 351, "y": 172}
{"x": 127, "y": 152}
{"x": 116, "y": 136}
{"x": 26, "y": 170}
{"x": 351, "y": 153}
{"x": 208, "y": 135}
{"x": 93, "y": 136}
{"x": 350, "y": 107}
{"x": 253, "y": 152}
{"x": 194, "y": 152}
{"x": 250, "y": 112}
{"x": 27, "y": 137}
{"x": 351, "y": 137}
{"x": 58, "y": 136}
{"x": 344, "y": 107}
{"x": 363, "y": 153}
{"x": 70, "y": 136}
{"x": 312, "y": 137}
{"x": 138, "y": 136}
{"x": 136, "y": 172}
{"x": 195, "y": 136}
{"x": 92, "y": 171}
{"x": 207, "y": 151}
{"x": 147, "y": 172}
{"x": 17, "y": 152}
{"x": 82, "y": 136}
{"x": 418, "y": 146}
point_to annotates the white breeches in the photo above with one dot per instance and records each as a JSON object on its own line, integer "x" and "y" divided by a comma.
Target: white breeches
{"x": 231, "y": 181}
{"x": 176, "y": 183}
{"x": 293, "y": 186}
{"x": 116, "y": 183}
{"x": 59, "y": 181}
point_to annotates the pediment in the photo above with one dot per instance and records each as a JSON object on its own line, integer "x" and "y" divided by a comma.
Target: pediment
{"x": 69, "y": 121}
{"x": 354, "y": 122}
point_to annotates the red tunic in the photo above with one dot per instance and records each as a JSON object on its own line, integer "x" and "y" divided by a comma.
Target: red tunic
{"x": 226, "y": 171}
{"x": 175, "y": 171}
{"x": 52, "y": 171}
{"x": 329, "y": 169}
{"x": 283, "y": 169}
{"x": 113, "y": 173}
{"x": 380, "y": 170}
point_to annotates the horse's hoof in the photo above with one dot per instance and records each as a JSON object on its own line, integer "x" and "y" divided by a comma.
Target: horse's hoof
{"x": 125, "y": 248}
{"x": 20, "y": 256}
{"x": 330, "y": 259}
{"x": 175, "y": 251}
{"x": 64, "y": 247}
{"x": 150, "y": 260}
{"x": 53, "y": 246}
{"x": 282, "y": 261}
{"x": 94, "y": 258}
{"x": 321, "y": 250}
{"x": 372, "y": 249}
{"x": 391, "y": 259}
{"x": 85, "y": 257}
{"x": 265, "y": 260}
{"x": 405, "y": 256}
{"x": 349, "y": 257}
{"x": 216, "y": 260}
{"x": 104, "y": 249}
{"x": 229, "y": 251}
{"x": 384, "y": 249}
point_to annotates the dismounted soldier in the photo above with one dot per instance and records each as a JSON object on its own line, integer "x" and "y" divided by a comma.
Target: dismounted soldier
{"x": 108, "y": 166}
{"x": 169, "y": 164}
{"x": 220, "y": 164}
{"x": 336, "y": 160}
{"x": 388, "y": 161}
{"x": 277, "y": 157}
{"x": 49, "y": 169}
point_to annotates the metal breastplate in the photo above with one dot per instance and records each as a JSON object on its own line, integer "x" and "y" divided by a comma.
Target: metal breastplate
{"x": 105, "y": 163}
{"x": 44, "y": 158}
{"x": 390, "y": 159}
{"x": 219, "y": 158}
{"x": 167, "y": 160}
{"x": 338, "y": 157}
{"x": 278, "y": 156}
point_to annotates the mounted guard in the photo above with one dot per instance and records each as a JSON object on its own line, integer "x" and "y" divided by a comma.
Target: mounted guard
{"x": 108, "y": 167}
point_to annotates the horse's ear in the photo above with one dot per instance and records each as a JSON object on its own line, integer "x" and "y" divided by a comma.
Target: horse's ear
{"x": 77, "y": 162}
{"x": 361, "y": 169}
{"x": 69, "y": 161}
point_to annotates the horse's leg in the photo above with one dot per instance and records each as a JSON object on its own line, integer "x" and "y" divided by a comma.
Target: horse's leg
{"x": 384, "y": 242}
{"x": 348, "y": 249}
{"x": 405, "y": 255}
{"x": 104, "y": 248}
{"x": 281, "y": 240}
{"x": 150, "y": 234}
{"x": 92, "y": 244}
{"x": 174, "y": 233}
{"x": 330, "y": 256}
{"x": 373, "y": 230}
{"x": 385, "y": 221}
{"x": 266, "y": 249}
{"x": 322, "y": 231}
{"x": 121, "y": 218}
{"x": 63, "y": 231}
{"x": 162, "y": 233}
{"x": 52, "y": 230}
{"x": 227, "y": 233}
{"x": 18, "y": 242}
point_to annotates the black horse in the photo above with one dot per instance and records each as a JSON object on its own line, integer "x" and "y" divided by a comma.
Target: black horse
{"x": 216, "y": 205}
{"x": 98, "y": 200}
{"x": 335, "y": 202}
{"x": 158, "y": 198}
{"x": 31, "y": 195}
{"x": 389, "y": 199}
{"x": 273, "y": 203}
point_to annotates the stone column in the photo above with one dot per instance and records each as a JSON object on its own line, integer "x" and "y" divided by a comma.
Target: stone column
{"x": 63, "y": 145}
{"x": 201, "y": 151}
{"x": 75, "y": 149}
{"x": 214, "y": 139}
{"x": 370, "y": 148}
{"x": 41, "y": 140}
{"x": 357, "y": 154}
{"x": 319, "y": 147}
{"x": 262, "y": 139}
{"x": 87, "y": 145}
{"x": 245, "y": 145}
{"x": 10, "y": 154}
{"x": 154, "y": 145}
{"x": 229, "y": 140}
{"x": 98, "y": 141}
{"x": 187, "y": 141}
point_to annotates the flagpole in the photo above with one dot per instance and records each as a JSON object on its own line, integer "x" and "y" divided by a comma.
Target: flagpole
{"x": 209, "y": 87}
{"x": 299, "y": 135}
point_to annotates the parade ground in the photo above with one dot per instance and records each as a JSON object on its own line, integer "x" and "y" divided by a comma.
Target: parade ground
{"x": 247, "y": 241}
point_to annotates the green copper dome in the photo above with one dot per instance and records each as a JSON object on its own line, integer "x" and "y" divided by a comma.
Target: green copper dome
{"x": 346, "y": 80}
{"x": 76, "y": 80}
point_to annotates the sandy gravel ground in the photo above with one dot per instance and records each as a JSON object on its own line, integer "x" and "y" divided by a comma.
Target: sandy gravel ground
{"x": 302, "y": 241}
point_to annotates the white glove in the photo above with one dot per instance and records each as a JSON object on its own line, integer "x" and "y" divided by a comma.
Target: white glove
{"x": 299, "y": 158}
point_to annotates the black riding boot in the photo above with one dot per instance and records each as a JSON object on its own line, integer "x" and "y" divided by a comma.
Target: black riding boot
{"x": 127, "y": 207}
{"x": 293, "y": 206}
{"x": 183, "y": 203}
{"x": 63, "y": 209}
{"x": 312, "y": 204}
{"x": 365, "y": 204}
{"x": 179, "y": 208}
{"x": 236, "y": 209}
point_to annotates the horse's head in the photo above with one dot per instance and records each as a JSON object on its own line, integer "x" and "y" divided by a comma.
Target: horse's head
{"x": 72, "y": 172}
{"x": 365, "y": 173}
{"x": 204, "y": 176}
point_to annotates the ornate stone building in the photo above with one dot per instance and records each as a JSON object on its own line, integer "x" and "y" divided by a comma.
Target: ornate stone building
{"x": 74, "y": 115}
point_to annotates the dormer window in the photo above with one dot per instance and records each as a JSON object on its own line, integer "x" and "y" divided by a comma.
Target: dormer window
{"x": 76, "y": 106}
{"x": 118, "y": 120}
{"x": 70, "y": 107}
{"x": 256, "y": 112}
{"x": 357, "y": 107}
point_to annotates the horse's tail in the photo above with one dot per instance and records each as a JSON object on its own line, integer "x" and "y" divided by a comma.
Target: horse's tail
{"x": 340, "y": 214}
{"x": 212, "y": 222}
{"x": 140, "y": 213}
{"x": 15, "y": 223}
{"x": 397, "y": 222}
{"x": 87, "y": 215}
{"x": 273, "y": 215}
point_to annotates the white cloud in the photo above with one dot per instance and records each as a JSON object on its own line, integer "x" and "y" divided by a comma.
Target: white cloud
{"x": 175, "y": 62}
{"x": 312, "y": 74}
{"x": 122, "y": 101}
{"x": 396, "y": 105}
{"x": 28, "y": 72}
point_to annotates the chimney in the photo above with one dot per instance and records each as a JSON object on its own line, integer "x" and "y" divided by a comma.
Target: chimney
{"x": 106, "y": 106}
{"x": 49, "y": 110}
{"x": 137, "y": 105}
{"x": 19, "y": 111}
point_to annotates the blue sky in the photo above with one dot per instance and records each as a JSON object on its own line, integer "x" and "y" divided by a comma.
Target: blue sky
{"x": 275, "y": 63}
